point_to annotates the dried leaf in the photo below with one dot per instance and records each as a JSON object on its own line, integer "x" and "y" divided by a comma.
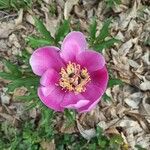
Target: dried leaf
{"x": 69, "y": 129}
{"x": 146, "y": 104}
{"x": 134, "y": 100}
{"x": 145, "y": 85}
{"x": 112, "y": 131}
{"x": 87, "y": 134}
{"x": 48, "y": 145}
{"x": 68, "y": 7}
{"x": 6, "y": 28}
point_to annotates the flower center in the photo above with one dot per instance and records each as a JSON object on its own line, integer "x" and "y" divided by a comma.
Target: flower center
{"x": 74, "y": 78}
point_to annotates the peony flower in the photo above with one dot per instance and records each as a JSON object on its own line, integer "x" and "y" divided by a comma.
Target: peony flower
{"x": 73, "y": 77}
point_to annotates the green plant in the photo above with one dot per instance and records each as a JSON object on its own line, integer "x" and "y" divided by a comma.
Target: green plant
{"x": 100, "y": 41}
{"x": 112, "y": 3}
{"x": 30, "y": 134}
{"x": 15, "y": 4}
{"x": 45, "y": 37}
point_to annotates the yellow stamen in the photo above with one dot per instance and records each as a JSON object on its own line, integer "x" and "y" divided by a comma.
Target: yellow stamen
{"x": 73, "y": 78}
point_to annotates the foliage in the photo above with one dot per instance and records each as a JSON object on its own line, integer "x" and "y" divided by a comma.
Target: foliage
{"x": 18, "y": 77}
{"x": 108, "y": 143}
{"x": 114, "y": 81}
{"x": 30, "y": 134}
{"x": 112, "y": 3}
{"x": 45, "y": 37}
{"x": 15, "y": 4}
{"x": 70, "y": 117}
{"x": 62, "y": 30}
{"x": 99, "y": 142}
{"x": 100, "y": 41}
{"x": 29, "y": 137}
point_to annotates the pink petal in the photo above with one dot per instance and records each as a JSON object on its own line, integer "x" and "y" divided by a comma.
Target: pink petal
{"x": 52, "y": 100}
{"x": 91, "y": 60}
{"x": 74, "y": 101}
{"x": 100, "y": 78}
{"x": 49, "y": 77}
{"x": 73, "y": 44}
{"x": 89, "y": 106}
{"x": 93, "y": 93}
{"x": 79, "y": 104}
{"x": 45, "y": 58}
{"x": 46, "y": 90}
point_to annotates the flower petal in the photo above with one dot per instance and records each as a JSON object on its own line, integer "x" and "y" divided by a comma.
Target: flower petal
{"x": 89, "y": 106}
{"x": 74, "y": 101}
{"x": 46, "y": 90}
{"x": 93, "y": 93}
{"x": 54, "y": 98}
{"x": 49, "y": 77}
{"x": 45, "y": 58}
{"x": 100, "y": 78}
{"x": 73, "y": 43}
{"x": 91, "y": 60}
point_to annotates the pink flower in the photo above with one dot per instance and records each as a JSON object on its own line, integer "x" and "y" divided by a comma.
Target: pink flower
{"x": 73, "y": 77}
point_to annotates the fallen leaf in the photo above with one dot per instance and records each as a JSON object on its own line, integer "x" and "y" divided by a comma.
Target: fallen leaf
{"x": 48, "y": 145}
{"x": 145, "y": 85}
{"x": 68, "y": 7}
{"x": 86, "y": 133}
{"x": 146, "y": 105}
{"x": 5, "y": 99}
{"x": 134, "y": 100}
{"x": 6, "y": 28}
{"x": 126, "y": 17}
{"x": 68, "y": 128}
{"x": 18, "y": 21}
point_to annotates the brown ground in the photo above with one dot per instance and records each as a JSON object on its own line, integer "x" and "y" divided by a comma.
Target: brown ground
{"x": 128, "y": 112}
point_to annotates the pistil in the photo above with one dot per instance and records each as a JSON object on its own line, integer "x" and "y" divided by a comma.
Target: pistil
{"x": 74, "y": 78}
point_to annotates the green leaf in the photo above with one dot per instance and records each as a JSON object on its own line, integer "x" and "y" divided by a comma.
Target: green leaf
{"x": 113, "y": 82}
{"x": 102, "y": 143}
{"x": 15, "y": 4}
{"x": 63, "y": 29}
{"x": 99, "y": 131}
{"x": 115, "y": 142}
{"x": 104, "y": 32}
{"x": 7, "y": 76}
{"x": 106, "y": 97}
{"x": 117, "y": 2}
{"x": 112, "y": 3}
{"x": 4, "y": 4}
{"x": 26, "y": 82}
{"x": 37, "y": 42}
{"x": 116, "y": 139}
{"x": 92, "y": 29}
{"x": 27, "y": 98}
{"x": 14, "y": 69}
{"x": 24, "y": 59}
{"x": 42, "y": 29}
{"x": 70, "y": 115}
{"x": 105, "y": 44}
{"x": 47, "y": 116}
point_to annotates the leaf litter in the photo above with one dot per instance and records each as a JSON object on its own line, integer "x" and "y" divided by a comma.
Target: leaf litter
{"x": 128, "y": 112}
